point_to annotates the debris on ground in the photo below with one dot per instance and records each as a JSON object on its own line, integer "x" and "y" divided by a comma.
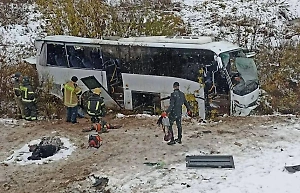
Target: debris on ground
{"x": 212, "y": 161}
{"x": 225, "y": 131}
{"x": 238, "y": 144}
{"x": 293, "y": 169}
{"x": 159, "y": 165}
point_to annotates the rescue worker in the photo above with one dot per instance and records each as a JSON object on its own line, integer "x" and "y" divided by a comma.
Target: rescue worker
{"x": 174, "y": 112}
{"x": 96, "y": 107}
{"x": 71, "y": 91}
{"x": 17, "y": 81}
{"x": 28, "y": 99}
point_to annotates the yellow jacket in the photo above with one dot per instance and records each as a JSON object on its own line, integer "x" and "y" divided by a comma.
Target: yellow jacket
{"x": 71, "y": 91}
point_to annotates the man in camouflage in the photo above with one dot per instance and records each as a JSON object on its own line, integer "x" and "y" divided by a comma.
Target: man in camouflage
{"x": 174, "y": 112}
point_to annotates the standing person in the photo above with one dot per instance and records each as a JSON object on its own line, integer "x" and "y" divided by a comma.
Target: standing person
{"x": 96, "y": 106}
{"x": 28, "y": 99}
{"x": 71, "y": 91}
{"x": 17, "y": 80}
{"x": 174, "y": 111}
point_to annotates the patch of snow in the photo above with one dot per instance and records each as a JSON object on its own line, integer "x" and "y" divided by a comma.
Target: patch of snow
{"x": 20, "y": 156}
{"x": 120, "y": 115}
{"x": 8, "y": 121}
{"x": 257, "y": 169}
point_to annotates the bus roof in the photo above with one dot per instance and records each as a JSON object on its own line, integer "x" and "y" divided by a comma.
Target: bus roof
{"x": 188, "y": 42}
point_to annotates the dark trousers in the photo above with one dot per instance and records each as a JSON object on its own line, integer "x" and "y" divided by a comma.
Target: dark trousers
{"x": 179, "y": 127}
{"x": 95, "y": 119}
{"x": 72, "y": 114}
{"x": 30, "y": 111}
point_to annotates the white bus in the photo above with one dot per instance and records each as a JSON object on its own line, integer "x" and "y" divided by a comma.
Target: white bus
{"x": 137, "y": 73}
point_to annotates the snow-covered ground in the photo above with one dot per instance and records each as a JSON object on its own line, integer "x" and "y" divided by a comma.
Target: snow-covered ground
{"x": 20, "y": 156}
{"x": 258, "y": 168}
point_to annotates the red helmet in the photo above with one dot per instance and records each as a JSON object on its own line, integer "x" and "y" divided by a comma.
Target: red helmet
{"x": 163, "y": 114}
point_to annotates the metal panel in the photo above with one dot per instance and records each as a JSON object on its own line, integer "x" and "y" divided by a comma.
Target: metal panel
{"x": 212, "y": 161}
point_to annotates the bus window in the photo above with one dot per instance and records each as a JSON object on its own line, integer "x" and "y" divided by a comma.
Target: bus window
{"x": 51, "y": 55}
{"x": 95, "y": 58}
{"x": 162, "y": 59}
{"x": 109, "y": 52}
{"x": 191, "y": 61}
{"x": 75, "y": 56}
{"x": 56, "y": 55}
{"x": 135, "y": 60}
{"x": 147, "y": 61}
{"x": 124, "y": 58}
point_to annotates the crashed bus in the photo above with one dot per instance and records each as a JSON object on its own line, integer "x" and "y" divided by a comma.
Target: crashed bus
{"x": 137, "y": 73}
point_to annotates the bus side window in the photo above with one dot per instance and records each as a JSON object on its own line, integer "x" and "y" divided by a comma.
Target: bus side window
{"x": 60, "y": 56}
{"x": 50, "y": 54}
{"x": 124, "y": 58}
{"x": 74, "y": 58}
{"x": 96, "y": 59}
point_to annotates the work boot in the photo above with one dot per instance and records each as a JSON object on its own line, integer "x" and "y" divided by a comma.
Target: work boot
{"x": 178, "y": 140}
{"x": 172, "y": 142}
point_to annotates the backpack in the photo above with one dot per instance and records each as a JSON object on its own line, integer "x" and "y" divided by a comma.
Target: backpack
{"x": 95, "y": 141}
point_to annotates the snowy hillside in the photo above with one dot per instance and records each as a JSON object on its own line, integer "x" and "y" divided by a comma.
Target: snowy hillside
{"x": 263, "y": 18}
{"x": 248, "y": 22}
{"x": 17, "y": 36}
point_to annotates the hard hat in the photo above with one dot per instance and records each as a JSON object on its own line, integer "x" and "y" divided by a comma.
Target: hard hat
{"x": 18, "y": 74}
{"x": 26, "y": 80}
{"x": 97, "y": 91}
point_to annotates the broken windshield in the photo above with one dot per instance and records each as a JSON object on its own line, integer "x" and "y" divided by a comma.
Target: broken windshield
{"x": 242, "y": 70}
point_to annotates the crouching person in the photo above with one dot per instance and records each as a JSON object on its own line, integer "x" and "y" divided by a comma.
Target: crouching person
{"x": 28, "y": 100}
{"x": 96, "y": 107}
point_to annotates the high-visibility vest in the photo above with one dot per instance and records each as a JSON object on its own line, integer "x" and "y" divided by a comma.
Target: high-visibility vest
{"x": 27, "y": 93}
{"x": 70, "y": 94}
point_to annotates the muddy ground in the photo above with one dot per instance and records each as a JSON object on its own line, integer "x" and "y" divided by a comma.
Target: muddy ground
{"x": 123, "y": 152}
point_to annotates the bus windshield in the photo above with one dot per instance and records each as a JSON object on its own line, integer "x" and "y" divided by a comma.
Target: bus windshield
{"x": 242, "y": 70}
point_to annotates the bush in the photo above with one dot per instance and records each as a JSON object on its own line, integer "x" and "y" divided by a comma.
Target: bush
{"x": 280, "y": 74}
{"x": 95, "y": 19}
{"x": 6, "y": 84}
{"x": 48, "y": 105}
